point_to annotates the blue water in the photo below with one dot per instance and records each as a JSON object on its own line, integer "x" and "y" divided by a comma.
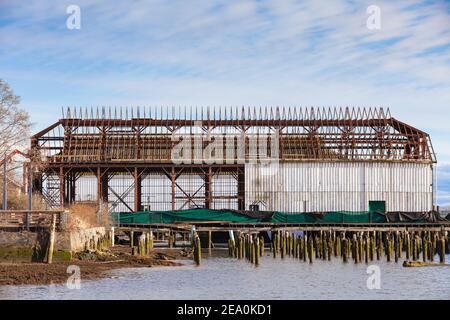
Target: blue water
{"x": 220, "y": 277}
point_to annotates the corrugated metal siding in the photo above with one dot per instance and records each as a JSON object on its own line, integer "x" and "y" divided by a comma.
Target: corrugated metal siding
{"x": 331, "y": 186}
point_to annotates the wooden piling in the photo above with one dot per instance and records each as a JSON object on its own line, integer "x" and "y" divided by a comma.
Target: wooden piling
{"x": 379, "y": 245}
{"x": 424, "y": 250}
{"x": 388, "y": 248}
{"x": 324, "y": 248}
{"x": 304, "y": 249}
{"x": 316, "y": 247}
{"x": 209, "y": 241}
{"x": 337, "y": 252}
{"x": 372, "y": 247}
{"x": 150, "y": 241}
{"x": 367, "y": 249}
{"x": 251, "y": 249}
{"x": 408, "y": 246}
{"x": 274, "y": 245}
{"x": 51, "y": 243}
{"x": 112, "y": 236}
{"x": 442, "y": 250}
{"x": 293, "y": 238}
{"x": 241, "y": 246}
{"x": 430, "y": 250}
{"x": 361, "y": 248}
{"x": 415, "y": 251}
{"x": 131, "y": 238}
{"x": 141, "y": 245}
{"x": 310, "y": 250}
{"x": 197, "y": 250}
{"x": 257, "y": 251}
{"x": 354, "y": 251}
{"x": 330, "y": 248}
{"x": 261, "y": 246}
{"x": 345, "y": 249}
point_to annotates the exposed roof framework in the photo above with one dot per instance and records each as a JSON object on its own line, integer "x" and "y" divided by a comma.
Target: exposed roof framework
{"x": 127, "y": 135}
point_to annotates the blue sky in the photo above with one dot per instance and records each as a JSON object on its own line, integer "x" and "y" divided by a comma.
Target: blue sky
{"x": 248, "y": 52}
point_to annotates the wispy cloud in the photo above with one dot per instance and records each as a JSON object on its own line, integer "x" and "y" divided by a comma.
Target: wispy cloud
{"x": 232, "y": 53}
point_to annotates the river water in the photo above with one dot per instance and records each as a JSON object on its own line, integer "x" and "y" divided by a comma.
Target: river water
{"x": 220, "y": 277}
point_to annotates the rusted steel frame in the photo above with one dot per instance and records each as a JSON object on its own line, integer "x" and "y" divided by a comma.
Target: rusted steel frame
{"x": 139, "y": 142}
{"x": 77, "y": 147}
{"x": 62, "y": 187}
{"x": 103, "y": 179}
{"x": 172, "y": 179}
{"x": 121, "y": 167}
{"x": 175, "y": 184}
{"x": 228, "y": 122}
{"x": 172, "y": 176}
{"x": 119, "y": 197}
{"x": 208, "y": 188}
{"x": 137, "y": 189}
{"x": 164, "y": 139}
{"x": 241, "y": 187}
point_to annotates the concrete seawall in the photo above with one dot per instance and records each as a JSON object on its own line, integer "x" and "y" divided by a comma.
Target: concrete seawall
{"x": 31, "y": 246}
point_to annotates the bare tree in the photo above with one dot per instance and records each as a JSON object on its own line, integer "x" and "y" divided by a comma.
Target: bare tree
{"x": 14, "y": 121}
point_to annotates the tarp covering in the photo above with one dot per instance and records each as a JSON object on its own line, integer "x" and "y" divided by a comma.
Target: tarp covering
{"x": 168, "y": 217}
{"x": 191, "y": 215}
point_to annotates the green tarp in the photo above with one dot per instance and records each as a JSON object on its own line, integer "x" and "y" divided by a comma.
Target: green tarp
{"x": 184, "y": 215}
{"x": 168, "y": 217}
{"x": 329, "y": 217}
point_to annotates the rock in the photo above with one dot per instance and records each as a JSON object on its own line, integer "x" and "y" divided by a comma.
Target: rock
{"x": 409, "y": 264}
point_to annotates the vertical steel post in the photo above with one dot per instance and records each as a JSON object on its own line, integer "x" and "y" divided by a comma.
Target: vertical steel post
{"x": 173, "y": 187}
{"x": 241, "y": 188}
{"x": 62, "y": 188}
{"x": 208, "y": 189}
{"x": 137, "y": 190}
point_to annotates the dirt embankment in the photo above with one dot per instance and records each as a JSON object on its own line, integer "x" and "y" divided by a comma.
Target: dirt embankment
{"x": 92, "y": 266}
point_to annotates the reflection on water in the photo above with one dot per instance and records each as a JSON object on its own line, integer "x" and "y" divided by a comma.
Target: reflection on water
{"x": 220, "y": 277}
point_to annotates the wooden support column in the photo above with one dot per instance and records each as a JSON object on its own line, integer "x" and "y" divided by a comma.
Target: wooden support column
{"x": 137, "y": 190}
{"x": 241, "y": 188}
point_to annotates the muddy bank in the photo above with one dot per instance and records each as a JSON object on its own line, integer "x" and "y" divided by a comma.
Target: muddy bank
{"x": 92, "y": 266}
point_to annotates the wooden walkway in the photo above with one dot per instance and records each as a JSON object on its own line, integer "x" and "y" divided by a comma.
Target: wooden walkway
{"x": 220, "y": 226}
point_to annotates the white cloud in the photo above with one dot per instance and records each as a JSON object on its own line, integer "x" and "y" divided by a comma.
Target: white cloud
{"x": 233, "y": 53}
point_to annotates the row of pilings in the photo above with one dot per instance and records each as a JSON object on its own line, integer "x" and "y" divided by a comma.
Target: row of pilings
{"x": 141, "y": 245}
{"x": 356, "y": 246}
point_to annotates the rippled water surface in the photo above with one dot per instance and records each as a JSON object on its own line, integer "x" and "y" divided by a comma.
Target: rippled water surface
{"x": 223, "y": 278}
